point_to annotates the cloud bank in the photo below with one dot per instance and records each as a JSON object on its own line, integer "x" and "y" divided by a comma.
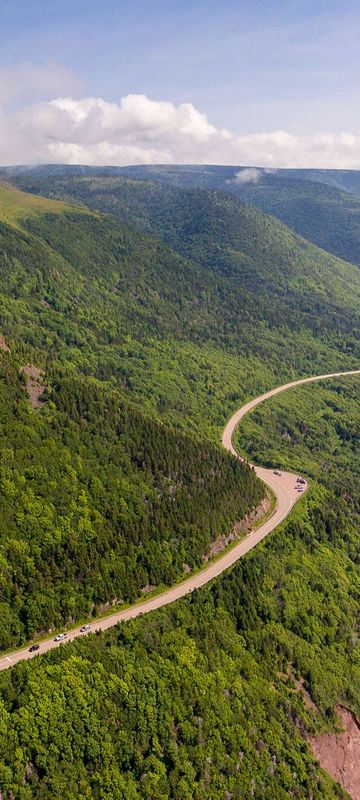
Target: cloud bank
{"x": 139, "y": 130}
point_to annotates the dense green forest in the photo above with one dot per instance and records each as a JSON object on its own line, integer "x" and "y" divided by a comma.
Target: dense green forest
{"x": 187, "y": 339}
{"x": 325, "y": 215}
{"x": 323, "y": 210}
{"x": 313, "y": 428}
{"x": 199, "y": 700}
{"x": 321, "y": 205}
{"x": 149, "y": 336}
{"x": 99, "y": 501}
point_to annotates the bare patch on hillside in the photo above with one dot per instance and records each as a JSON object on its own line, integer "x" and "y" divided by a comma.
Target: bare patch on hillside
{"x": 34, "y": 384}
{"x": 243, "y": 527}
{"x": 339, "y": 753}
{"x": 3, "y": 345}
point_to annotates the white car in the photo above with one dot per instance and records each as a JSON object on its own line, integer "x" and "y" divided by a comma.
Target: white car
{"x": 60, "y": 637}
{"x": 84, "y": 628}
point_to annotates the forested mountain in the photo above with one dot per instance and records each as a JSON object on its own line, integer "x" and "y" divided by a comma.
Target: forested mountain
{"x": 322, "y": 213}
{"x": 99, "y": 502}
{"x": 188, "y": 176}
{"x": 80, "y": 287}
{"x": 275, "y": 276}
{"x": 150, "y": 324}
{"x": 321, "y": 205}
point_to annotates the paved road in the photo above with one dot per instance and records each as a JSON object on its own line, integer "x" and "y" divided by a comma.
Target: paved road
{"x": 283, "y": 486}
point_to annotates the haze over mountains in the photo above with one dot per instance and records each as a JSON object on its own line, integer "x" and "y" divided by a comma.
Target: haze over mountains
{"x": 155, "y": 300}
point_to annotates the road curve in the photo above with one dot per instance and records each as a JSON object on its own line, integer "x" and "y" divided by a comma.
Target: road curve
{"x": 286, "y": 496}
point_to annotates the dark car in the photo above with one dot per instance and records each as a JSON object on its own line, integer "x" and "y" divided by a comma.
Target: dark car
{"x": 33, "y": 648}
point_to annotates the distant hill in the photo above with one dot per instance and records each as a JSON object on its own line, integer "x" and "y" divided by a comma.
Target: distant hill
{"x": 278, "y": 276}
{"x": 321, "y": 205}
{"x": 189, "y": 175}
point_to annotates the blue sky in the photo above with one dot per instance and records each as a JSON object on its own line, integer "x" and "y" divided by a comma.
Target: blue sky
{"x": 250, "y": 66}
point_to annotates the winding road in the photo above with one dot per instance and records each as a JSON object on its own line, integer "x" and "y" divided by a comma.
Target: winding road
{"x": 286, "y": 493}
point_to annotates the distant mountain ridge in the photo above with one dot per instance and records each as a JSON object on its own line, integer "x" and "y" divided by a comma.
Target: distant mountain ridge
{"x": 185, "y": 175}
{"x": 321, "y": 205}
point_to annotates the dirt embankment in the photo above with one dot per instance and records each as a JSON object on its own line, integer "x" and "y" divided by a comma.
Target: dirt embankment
{"x": 3, "y": 345}
{"x": 34, "y": 384}
{"x": 339, "y": 753}
{"x": 240, "y": 528}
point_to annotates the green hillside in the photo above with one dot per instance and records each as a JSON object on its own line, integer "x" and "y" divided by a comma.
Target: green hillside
{"x": 199, "y": 699}
{"x": 15, "y": 205}
{"x": 176, "y": 330}
{"x": 323, "y": 206}
{"x": 281, "y": 276}
{"x": 99, "y": 501}
{"x": 127, "y": 501}
{"x": 323, "y": 214}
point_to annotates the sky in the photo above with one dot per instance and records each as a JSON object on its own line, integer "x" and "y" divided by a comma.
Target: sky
{"x": 271, "y": 83}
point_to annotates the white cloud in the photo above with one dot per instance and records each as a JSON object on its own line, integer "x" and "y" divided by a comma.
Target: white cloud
{"x": 139, "y": 130}
{"x": 251, "y": 174}
{"x": 247, "y": 175}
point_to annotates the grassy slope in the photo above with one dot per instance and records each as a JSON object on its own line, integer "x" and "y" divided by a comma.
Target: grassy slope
{"x": 15, "y": 205}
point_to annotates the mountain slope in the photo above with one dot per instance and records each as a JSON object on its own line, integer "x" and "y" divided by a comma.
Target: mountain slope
{"x": 321, "y": 205}
{"x": 221, "y": 233}
{"x": 83, "y": 288}
{"x": 99, "y": 501}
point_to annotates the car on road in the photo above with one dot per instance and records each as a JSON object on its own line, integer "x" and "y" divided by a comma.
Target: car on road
{"x": 276, "y": 472}
{"x": 84, "y": 628}
{"x": 33, "y": 648}
{"x": 60, "y": 637}
{"x": 300, "y": 480}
